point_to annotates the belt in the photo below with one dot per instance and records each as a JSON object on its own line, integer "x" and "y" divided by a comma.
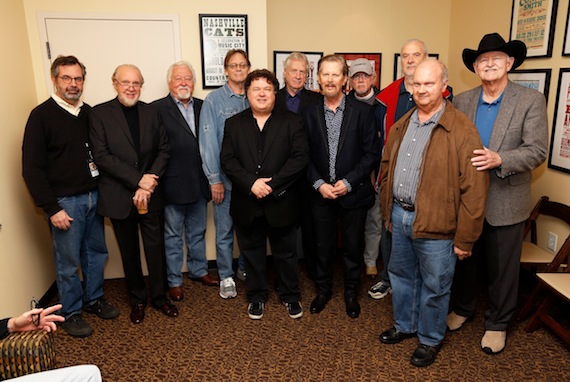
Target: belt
{"x": 405, "y": 207}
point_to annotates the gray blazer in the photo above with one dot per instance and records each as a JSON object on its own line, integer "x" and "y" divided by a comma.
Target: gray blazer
{"x": 520, "y": 136}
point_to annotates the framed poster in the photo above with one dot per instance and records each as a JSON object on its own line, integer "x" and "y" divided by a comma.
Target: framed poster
{"x": 311, "y": 83}
{"x": 537, "y": 79}
{"x": 375, "y": 60}
{"x": 566, "y": 46}
{"x": 398, "y": 64}
{"x": 559, "y": 154}
{"x": 533, "y": 22}
{"x": 219, "y": 34}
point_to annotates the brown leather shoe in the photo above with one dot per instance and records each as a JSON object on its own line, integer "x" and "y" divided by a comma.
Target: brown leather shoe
{"x": 169, "y": 309}
{"x": 176, "y": 293}
{"x": 137, "y": 313}
{"x": 207, "y": 280}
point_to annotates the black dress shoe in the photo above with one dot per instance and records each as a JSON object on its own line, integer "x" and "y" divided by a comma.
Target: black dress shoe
{"x": 169, "y": 309}
{"x": 319, "y": 303}
{"x": 424, "y": 355}
{"x": 137, "y": 313}
{"x": 393, "y": 336}
{"x": 352, "y": 307}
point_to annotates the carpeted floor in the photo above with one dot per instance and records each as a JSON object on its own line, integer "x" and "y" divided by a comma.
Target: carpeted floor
{"x": 215, "y": 340}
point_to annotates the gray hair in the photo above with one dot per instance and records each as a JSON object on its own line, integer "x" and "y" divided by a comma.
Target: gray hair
{"x": 180, "y": 63}
{"x": 296, "y": 56}
{"x": 114, "y": 76}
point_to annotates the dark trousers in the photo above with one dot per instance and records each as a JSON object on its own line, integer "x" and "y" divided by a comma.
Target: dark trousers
{"x": 326, "y": 218}
{"x": 308, "y": 236}
{"x": 385, "y": 251}
{"x": 498, "y": 252}
{"x": 252, "y": 242}
{"x": 152, "y": 231}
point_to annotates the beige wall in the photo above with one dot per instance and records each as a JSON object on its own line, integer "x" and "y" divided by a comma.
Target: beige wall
{"x": 26, "y": 266}
{"x": 322, "y": 25}
{"x": 359, "y": 26}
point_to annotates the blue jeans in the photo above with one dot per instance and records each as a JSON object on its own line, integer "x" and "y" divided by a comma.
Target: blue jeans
{"x": 191, "y": 217}
{"x": 225, "y": 238}
{"x": 421, "y": 273}
{"x": 83, "y": 243}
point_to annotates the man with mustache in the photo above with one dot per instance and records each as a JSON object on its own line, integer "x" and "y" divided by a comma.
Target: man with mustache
{"x": 185, "y": 185}
{"x": 62, "y": 177}
{"x": 344, "y": 147}
{"x": 393, "y": 102}
{"x": 131, "y": 148}
{"x": 513, "y": 126}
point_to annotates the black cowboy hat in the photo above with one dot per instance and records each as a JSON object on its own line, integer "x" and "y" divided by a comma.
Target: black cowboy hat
{"x": 493, "y": 42}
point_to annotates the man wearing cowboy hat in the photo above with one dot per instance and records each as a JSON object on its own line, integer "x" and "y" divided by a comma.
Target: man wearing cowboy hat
{"x": 512, "y": 123}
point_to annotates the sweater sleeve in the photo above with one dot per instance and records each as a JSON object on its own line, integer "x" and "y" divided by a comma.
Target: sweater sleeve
{"x": 4, "y": 328}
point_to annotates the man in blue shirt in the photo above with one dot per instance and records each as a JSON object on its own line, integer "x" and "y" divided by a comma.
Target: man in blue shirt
{"x": 218, "y": 106}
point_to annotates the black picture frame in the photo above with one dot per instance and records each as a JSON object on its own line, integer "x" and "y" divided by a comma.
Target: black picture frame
{"x": 219, "y": 34}
{"x": 566, "y": 45}
{"x": 279, "y": 57}
{"x": 533, "y": 23}
{"x": 559, "y": 153}
{"x": 537, "y": 79}
{"x": 398, "y": 67}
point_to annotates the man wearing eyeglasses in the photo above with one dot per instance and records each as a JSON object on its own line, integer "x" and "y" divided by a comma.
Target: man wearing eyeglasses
{"x": 130, "y": 146}
{"x": 62, "y": 178}
{"x": 218, "y": 106}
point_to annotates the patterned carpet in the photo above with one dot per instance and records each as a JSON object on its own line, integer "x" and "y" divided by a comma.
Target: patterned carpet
{"x": 214, "y": 340}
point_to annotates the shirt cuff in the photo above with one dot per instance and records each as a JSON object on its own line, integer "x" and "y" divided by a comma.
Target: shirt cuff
{"x": 348, "y": 186}
{"x": 318, "y": 184}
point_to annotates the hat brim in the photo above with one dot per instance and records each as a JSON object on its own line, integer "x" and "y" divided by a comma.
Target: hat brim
{"x": 515, "y": 48}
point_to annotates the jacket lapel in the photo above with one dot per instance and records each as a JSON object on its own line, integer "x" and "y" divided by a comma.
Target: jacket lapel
{"x": 345, "y": 123}
{"x": 119, "y": 116}
{"x": 322, "y": 126}
{"x": 177, "y": 115}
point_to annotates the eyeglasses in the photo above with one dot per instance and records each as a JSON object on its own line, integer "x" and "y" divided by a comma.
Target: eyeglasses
{"x": 128, "y": 84}
{"x": 361, "y": 76}
{"x": 494, "y": 60}
{"x": 235, "y": 66}
{"x": 35, "y": 317}
{"x": 67, "y": 79}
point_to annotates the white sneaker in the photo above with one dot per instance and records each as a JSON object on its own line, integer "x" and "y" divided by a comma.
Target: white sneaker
{"x": 228, "y": 288}
{"x": 379, "y": 290}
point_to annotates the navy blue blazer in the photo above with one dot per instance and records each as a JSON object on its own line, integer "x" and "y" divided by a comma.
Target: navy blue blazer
{"x": 184, "y": 180}
{"x": 358, "y": 151}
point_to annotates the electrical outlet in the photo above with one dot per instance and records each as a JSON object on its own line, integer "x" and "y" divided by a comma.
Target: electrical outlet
{"x": 552, "y": 240}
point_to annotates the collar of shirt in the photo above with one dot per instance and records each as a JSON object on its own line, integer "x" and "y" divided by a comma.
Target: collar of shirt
{"x": 340, "y": 106}
{"x": 403, "y": 89}
{"x": 71, "y": 109}
{"x": 434, "y": 119}
{"x": 181, "y": 104}
{"x": 495, "y": 102}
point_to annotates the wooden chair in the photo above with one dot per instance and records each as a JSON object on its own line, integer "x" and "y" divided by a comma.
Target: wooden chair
{"x": 537, "y": 258}
{"x": 556, "y": 286}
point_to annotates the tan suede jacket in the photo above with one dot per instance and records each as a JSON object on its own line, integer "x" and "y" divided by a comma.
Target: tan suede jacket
{"x": 451, "y": 194}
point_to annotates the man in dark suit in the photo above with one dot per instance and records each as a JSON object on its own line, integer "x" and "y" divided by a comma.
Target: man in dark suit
{"x": 512, "y": 123}
{"x": 130, "y": 147}
{"x": 344, "y": 148}
{"x": 185, "y": 185}
{"x": 294, "y": 97}
{"x": 264, "y": 153}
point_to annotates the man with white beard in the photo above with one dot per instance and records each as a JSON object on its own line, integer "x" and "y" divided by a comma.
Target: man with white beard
{"x": 186, "y": 187}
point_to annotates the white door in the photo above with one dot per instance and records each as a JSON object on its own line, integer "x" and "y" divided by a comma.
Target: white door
{"x": 102, "y": 42}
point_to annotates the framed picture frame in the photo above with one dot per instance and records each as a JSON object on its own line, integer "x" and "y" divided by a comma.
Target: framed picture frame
{"x": 219, "y": 34}
{"x": 537, "y": 79}
{"x": 375, "y": 60}
{"x": 533, "y": 22}
{"x": 566, "y": 46}
{"x": 559, "y": 153}
{"x": 398, "y": 64}
{"x": 279, "y": 57}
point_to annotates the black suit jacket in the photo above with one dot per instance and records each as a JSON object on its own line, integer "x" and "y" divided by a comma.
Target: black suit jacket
{"x": 308, "y": 98}
{"x": 358, "y": 151}
{"x": 284, "y": 158}
{"x": 115, "y": 154}
{"x": 184, "y": 178}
